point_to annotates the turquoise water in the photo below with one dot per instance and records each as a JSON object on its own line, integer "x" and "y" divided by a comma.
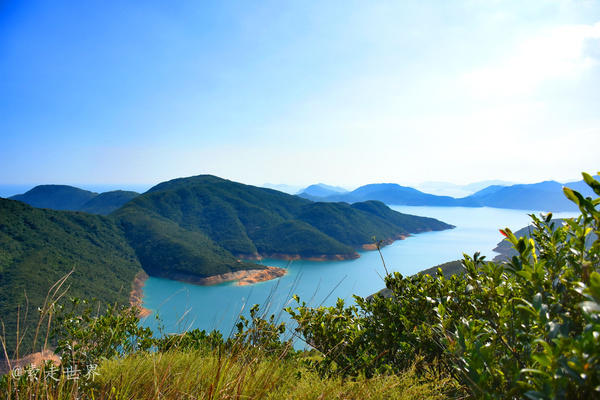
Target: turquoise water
{"x": 182, "y": 306}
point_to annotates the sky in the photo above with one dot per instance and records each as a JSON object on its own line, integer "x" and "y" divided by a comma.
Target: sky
{"x": 298, "y": 92}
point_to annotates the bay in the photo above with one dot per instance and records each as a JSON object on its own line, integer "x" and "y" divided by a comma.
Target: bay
{"x": 179, "y": 306}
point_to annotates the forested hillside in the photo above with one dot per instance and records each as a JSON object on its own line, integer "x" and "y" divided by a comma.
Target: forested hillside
{"x": 38, "y": 247}
{"x": 233, "y": 220}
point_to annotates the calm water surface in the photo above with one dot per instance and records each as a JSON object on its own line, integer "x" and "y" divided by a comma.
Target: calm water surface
{"x": 182, "y": 306}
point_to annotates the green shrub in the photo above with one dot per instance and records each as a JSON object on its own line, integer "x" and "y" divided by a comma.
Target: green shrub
{"x": 383, "y": 334}
{"x": 85, "y": 337}
{"x": 537, "y": 330}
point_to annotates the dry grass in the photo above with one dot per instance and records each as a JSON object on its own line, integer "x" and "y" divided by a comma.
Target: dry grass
{"x": 201, "y": 375}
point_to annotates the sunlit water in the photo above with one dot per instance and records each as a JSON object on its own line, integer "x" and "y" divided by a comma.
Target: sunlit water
{"x": 182, "y": 306}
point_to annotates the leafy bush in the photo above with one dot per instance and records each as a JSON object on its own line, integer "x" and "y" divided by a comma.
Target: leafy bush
{"x": 262, "y": 334}
{"x": 537, "y": 331}
{"x": 84, "y": 338}
{"x": 383, "y": 334}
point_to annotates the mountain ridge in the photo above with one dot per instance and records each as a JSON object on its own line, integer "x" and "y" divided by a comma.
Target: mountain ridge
{"x": 544, "y": 196}
{"x": 71, "y": 198}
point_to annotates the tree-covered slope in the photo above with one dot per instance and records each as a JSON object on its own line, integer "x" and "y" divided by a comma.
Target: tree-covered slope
{"x": 234, "y": 220}
{"x": 39, "y": 246}
{"x": 347, "y": 224}
{"x": 297, "y": 238}
{"x": 107, "y": 202}
{"x": 167, "y": 250}
{"x": 412, "y": 223}
{"x": 56, "y": 197}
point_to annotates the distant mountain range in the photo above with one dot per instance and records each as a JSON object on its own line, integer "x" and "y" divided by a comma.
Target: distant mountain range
{"x": 458, "y": 191}
{"x": 320, "y": 190}
{"x": 70, "y": 198}
{"x": 543, "y": 196}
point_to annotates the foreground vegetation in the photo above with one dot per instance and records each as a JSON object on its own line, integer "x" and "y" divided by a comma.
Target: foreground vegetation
{"x": 527, "y": 328}
{"x": 194, "y": 375}
{"x": 109, "y": 356}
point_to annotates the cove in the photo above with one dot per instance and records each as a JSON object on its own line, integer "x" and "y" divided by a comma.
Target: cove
{"x": 178, "y": 306}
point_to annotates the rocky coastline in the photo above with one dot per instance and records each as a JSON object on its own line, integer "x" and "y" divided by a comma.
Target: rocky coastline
{"x": 243, "y": 277}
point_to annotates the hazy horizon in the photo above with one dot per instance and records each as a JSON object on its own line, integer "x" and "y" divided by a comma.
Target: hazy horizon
{"x": 444, "y": 188}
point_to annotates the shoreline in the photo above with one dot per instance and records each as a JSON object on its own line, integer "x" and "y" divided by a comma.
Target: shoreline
{"x": 243, "y": 277}
{"x": 136, "y": 296}
{"x": 296, "y": 257}
{"x": 247, "y": 277}
{"x": 323, "y": 257}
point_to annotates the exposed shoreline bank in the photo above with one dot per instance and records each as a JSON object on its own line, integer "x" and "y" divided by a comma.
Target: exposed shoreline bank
{"x": 136, "y": 296}
{"x": 383, "y": 243}
{"x": 243, "y": 277}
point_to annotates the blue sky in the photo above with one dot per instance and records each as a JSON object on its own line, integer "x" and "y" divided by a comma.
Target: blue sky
{"x": 299, "y": 92}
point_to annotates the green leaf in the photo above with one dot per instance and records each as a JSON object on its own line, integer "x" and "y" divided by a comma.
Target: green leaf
{"x": 594, "y": 184}
{"x": 570, "y": 195}
{"x": 542, "y": 359}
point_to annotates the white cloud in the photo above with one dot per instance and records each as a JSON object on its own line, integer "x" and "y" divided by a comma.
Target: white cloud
{"x": 559, "y": 53}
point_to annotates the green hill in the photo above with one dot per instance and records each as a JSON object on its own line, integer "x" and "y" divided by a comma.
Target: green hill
{"x": 39, "y": 246}
{"x": 234, "y": 221}
{"x": 107, "y": 202}
{"x": 56, "y": 197}
{"x": 70, "y": 198}
{"x": 167, "y": 250}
